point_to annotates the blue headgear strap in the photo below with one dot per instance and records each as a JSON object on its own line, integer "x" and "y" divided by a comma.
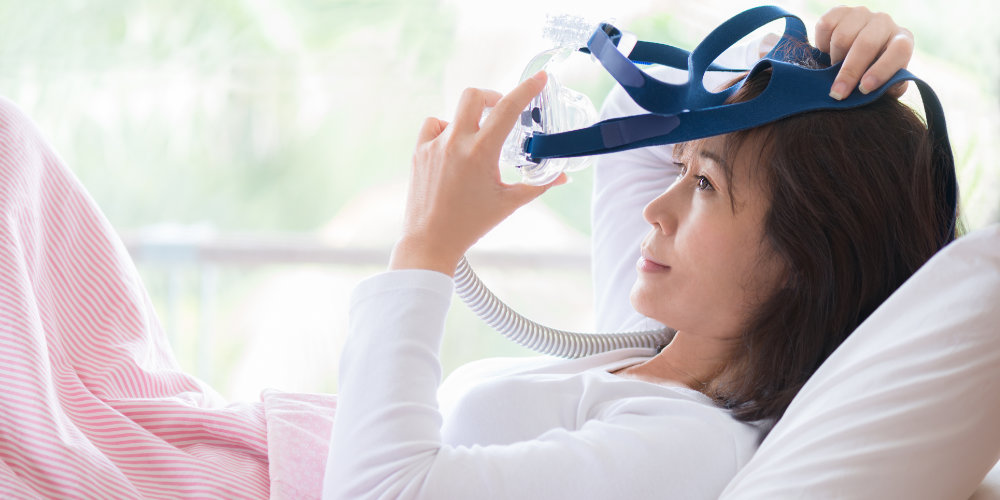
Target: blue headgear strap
{"x": 688, "y": 111}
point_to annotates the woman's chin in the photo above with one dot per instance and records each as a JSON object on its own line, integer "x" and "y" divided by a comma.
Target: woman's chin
{"x": 647, "y": 303}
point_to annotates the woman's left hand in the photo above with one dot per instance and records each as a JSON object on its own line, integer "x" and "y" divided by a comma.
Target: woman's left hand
{"x": 871, "y": 45}
{"x": 456, "y": 195}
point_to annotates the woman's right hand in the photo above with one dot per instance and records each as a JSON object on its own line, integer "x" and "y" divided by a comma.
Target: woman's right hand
{"x": 871, "y": 45}
{"x": 456, "y": 195}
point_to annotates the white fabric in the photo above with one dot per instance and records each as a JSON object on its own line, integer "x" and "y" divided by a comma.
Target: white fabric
{"x": 565, "y": 429}
{"x": 990, "y": 488}
{"x": 909, "y": 405}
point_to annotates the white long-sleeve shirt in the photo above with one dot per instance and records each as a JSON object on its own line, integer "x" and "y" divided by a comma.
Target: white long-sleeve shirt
{"x": 531, "y": 429}
{"x": 528, "y": 428}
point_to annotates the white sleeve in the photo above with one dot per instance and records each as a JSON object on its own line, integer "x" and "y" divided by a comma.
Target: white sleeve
{"x": 624, "y": 183}
{"x": 386, "y": 440}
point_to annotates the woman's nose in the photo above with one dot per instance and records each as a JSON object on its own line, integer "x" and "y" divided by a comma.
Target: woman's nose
{"x": 662, "y": 211}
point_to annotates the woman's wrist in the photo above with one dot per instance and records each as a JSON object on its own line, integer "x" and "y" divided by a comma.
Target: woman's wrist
{"x": 412, "y": 254}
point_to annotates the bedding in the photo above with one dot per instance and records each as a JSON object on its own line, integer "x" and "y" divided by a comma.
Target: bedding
{"x": 909, "y": 405}
{"x": 93, "y": 404}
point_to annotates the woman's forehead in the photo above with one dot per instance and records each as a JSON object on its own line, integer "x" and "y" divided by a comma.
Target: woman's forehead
{"x": 713, "y": 148}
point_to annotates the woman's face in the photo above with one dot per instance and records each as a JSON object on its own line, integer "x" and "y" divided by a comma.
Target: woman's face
{"x": 705, "y": 265}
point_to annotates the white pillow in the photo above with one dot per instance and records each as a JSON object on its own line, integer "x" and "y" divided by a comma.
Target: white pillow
{"x": 990, "y": 488}
{"x": 909, "y": 405}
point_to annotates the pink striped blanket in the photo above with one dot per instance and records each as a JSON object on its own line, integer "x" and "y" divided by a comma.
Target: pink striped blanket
{"x": 92, "y": 402}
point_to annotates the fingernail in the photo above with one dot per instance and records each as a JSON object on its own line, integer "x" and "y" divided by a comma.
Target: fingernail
{"x": 867, "y": 84}
{"x": 538, "y": 76}
{"x": 839, "y": 90}
{"x": 561, "y": 180}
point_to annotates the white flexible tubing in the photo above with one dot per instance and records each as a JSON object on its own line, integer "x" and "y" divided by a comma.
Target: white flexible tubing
{"x": 540, "y": 338}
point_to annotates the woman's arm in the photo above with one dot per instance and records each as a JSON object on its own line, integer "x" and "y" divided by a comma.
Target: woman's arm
{"x": 387, "y": 440}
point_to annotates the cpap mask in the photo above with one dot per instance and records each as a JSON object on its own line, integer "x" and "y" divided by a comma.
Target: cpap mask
{"x": 557, "y": 108}
{"x": 557, "y": 133}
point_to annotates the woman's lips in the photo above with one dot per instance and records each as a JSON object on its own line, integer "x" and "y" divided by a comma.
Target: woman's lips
{"x": 650, "y": 266}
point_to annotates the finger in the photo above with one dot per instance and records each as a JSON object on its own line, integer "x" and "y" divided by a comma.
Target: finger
{"x": 869, "y": 43}
{"x": 895, "y": 57}
{"x": 431, "y": 128}
{"x": 492, "y": 97}
{"x": 505, "y": 113}
{"x": 898, "y": 89}
{"x": 471, "y": 106}
{"x": 826, "y": 25}
{"x": 845, "y": 32}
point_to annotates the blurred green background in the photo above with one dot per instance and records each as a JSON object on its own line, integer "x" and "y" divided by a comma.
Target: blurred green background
{"x": 192, "y": 119}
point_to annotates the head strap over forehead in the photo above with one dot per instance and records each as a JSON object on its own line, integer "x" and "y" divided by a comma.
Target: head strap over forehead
{"x": 688, "y": 111}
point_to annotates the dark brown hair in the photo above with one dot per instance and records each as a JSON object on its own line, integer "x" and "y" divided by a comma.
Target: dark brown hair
{"x": 854, "y": 211}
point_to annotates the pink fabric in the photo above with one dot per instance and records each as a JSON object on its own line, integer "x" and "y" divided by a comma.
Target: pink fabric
{"x": 298, "y": 436}
{"x": 92, "y": 402}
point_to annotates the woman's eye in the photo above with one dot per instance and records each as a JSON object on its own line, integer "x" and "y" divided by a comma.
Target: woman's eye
{"x": 703, "y": 183}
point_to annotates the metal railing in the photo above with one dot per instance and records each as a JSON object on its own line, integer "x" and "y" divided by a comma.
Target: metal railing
{"x": 255, "y": 250}
{"x": 176, "y": 253}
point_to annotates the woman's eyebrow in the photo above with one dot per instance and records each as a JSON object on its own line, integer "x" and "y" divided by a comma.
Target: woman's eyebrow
{"x": 715, "y": 157}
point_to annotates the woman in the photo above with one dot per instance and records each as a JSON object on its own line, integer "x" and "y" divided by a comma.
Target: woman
{"x": 767, "y": 249}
